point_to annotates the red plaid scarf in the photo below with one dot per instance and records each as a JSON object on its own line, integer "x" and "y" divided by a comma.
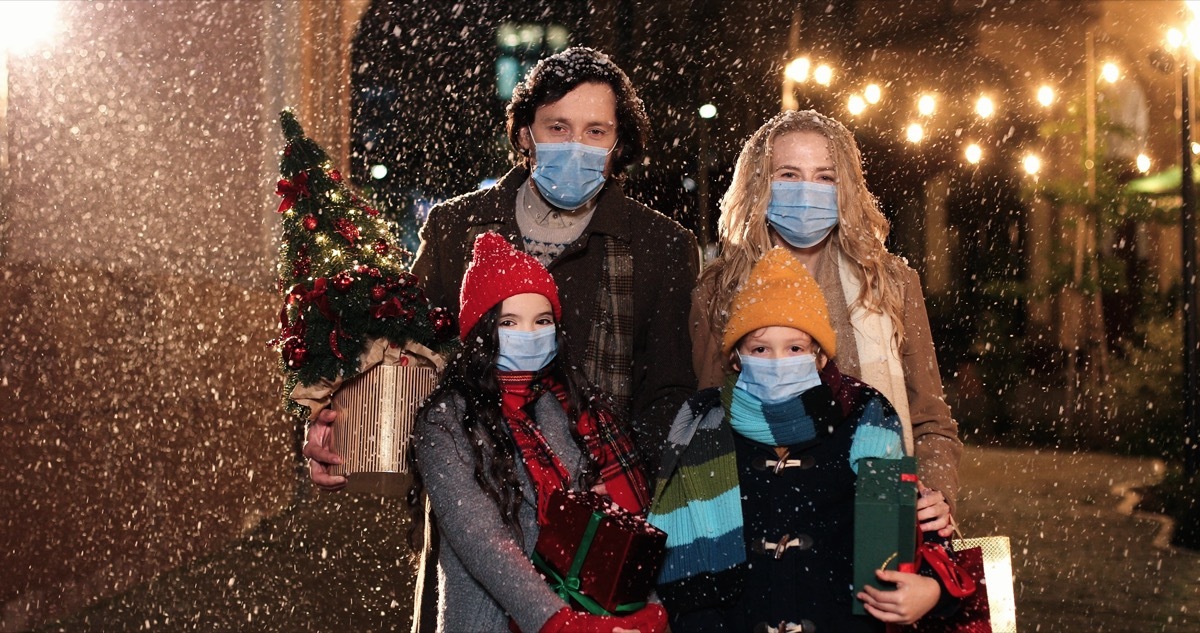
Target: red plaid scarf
{"x": 620, "y": 469}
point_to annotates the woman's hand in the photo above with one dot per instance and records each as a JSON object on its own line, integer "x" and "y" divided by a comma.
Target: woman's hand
{"x": 933, "y": 513}
{"x": 912, "y": 598}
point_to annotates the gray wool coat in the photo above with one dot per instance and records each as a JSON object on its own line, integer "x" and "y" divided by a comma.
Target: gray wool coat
{"x": 484, "y": 572}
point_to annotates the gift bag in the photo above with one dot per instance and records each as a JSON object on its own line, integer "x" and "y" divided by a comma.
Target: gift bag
{"x": 596, "y": 556}
{"x": 991, "y": 608}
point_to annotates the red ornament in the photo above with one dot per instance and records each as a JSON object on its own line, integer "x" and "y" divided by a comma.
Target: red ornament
{"x": 335, "y": 175}
{"x": 310, "y": 222}
{"x": 378, "y": 293}
{"x": 381, "y": 247}
{"x": 302, "y": 266}
{"x": 294, "y": 353}
{"x": 408, "y": 280}
{"x": 443, "y": 323}
{"x": 370, "y": 211}
{"x": 346, "y": 229}
{"x": 342, "y": 281}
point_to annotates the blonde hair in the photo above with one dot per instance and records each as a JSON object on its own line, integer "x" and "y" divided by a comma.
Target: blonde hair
{"x": 860, "y": 232}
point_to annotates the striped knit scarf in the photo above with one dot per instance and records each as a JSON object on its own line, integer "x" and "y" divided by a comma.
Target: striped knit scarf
{"x": 697, "y": 499}
{"x": 700, "y": 508}
{"x": 607, "y": 444}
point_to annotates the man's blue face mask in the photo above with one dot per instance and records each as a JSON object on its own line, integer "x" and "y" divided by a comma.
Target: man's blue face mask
{"x": 569, "y": 174}
{"x": 803, "y": 213}
{"x": 526, "y": 351}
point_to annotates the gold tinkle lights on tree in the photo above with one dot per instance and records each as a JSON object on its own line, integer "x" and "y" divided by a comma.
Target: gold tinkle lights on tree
{"x": 343, "y": 279}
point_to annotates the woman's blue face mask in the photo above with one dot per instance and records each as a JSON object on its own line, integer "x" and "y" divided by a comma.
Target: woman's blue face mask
{"x": 526, "y": 351}
{"x": 803, "y": 213}
{"x": 569, "y": 174}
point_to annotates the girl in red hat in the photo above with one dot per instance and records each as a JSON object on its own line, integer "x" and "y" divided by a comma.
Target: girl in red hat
{"x": 511, "y": 422}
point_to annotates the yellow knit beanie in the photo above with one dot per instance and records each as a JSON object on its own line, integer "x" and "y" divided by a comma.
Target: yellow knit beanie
{"x": 779, "y": 291}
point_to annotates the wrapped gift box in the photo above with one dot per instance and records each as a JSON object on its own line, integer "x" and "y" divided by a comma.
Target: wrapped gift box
{"x": 610, "y": 555}
{"x": 376, "y": 412}
{"x": 885, "y": 520}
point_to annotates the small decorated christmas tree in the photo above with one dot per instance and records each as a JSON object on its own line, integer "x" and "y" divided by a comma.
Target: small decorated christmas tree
{"x": 345, "y": 282}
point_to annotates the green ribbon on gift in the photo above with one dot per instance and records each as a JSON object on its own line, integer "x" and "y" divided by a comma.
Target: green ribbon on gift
{"x": 567, "y": 587}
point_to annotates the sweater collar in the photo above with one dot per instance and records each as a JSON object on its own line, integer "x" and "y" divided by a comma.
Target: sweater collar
{"x": 612, "y": 215}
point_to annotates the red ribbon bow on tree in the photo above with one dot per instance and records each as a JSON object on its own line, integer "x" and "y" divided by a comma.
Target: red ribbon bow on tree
{"x": 317, "y": 296}
{"x": 292, "y": 190}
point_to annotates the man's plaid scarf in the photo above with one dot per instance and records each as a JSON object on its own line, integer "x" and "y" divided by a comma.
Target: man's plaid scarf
{"x": 608, "y": 360}
{"x": 607, "y": 444}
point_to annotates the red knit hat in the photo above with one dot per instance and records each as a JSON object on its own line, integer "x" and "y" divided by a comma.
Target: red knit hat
{"x": 499, "y": 271}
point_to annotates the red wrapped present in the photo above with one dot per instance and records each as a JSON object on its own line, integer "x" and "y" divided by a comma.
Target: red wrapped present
{"x": 597, "y": 556}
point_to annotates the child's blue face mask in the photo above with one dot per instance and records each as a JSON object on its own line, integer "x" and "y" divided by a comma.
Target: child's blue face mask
{"x": 526, "y": 351}
{"x": 774, "y": 380}
{"x": 569, "y": 174}
{"x": 803, "y": 213}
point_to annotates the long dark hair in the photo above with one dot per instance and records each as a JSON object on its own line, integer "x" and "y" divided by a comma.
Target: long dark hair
{"x": 471, "y": 376}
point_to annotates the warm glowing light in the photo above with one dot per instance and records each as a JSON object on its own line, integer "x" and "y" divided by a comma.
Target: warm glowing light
{"x": 1031, "y": 163}
{"x": 1045, "y": 95}
{"x": 24, "y": 23}
{"x": 1195, "y": 147}
{"x": 915, "y": 133}
{"x": 1110, "y": 72}
{"x": 872, "y": 93}
{"x": 797, "y": 70}
{"x": 856, "y": 105}
{"x": 974, "y": 153}
{"x": 1191, "y": 37}
{"x": 1174, "y": 38}
{"x": 926, "y": 105}
{"x": 379, "y": 172}
{"x": 823, "y": 74}
{"x": 1143, "y": 163}
{"x": 984, "y": 107}
{"x": 708, "y": 111}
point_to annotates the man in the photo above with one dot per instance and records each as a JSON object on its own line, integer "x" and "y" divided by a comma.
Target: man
{"x": 624, "y": 271}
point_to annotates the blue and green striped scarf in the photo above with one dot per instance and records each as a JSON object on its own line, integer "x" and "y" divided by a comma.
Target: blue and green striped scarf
{"x": 697, "y": 499}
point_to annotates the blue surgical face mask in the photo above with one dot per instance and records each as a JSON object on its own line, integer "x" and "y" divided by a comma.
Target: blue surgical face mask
{"x": 526, "y": 351}
{"x": 569, "y": 174}
{"x": 803, "y": 213}
{"x": 775, "y": 380}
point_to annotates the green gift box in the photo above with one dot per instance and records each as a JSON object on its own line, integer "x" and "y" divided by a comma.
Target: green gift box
{"x": 885, "y": 520}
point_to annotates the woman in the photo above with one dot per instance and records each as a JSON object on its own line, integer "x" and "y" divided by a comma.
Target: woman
{"x": 799, "y": 184}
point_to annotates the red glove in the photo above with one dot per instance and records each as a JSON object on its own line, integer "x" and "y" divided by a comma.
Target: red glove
{"x": 651, "y": 618}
